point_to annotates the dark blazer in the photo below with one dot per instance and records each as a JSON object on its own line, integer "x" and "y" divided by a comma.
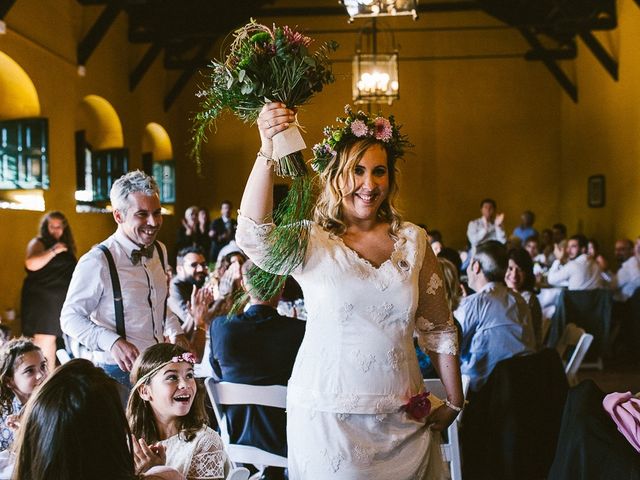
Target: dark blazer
{"x": 257, "y": 347}
{"x": 511, "y": 425}
{"x": 590, "y": 447}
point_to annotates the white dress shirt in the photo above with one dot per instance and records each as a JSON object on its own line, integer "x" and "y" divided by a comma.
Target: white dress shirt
{"x": 627, "y": 280}
{"x": 88, "y": 313}
{"x": 581, "y": 273}
{"x": 478, "y": 231}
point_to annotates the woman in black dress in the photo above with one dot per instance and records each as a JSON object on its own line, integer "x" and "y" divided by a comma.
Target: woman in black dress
{"x": 49, "y": 263}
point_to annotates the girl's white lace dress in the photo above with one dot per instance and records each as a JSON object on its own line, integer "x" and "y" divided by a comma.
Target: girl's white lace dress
{"x": 357, "y": 365}
{"x": 201, "y": 458}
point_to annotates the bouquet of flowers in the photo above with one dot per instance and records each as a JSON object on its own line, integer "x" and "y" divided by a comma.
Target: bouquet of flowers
{"x": 263, "y": 65}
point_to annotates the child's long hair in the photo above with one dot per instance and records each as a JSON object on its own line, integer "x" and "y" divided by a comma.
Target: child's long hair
{"x": 140, "y": 413}
{"x": 74, "y": 428}
{"x": 10, "y": 354}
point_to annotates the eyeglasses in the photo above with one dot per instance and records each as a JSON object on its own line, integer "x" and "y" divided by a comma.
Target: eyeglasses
{"x": 203, "y": 265}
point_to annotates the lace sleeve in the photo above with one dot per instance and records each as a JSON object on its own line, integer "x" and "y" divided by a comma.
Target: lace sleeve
{"x": 209, "y": 458}
{"x": 277, "y": 250}
{"x": 434, "y": 323}
{"x": 251, "y": 237}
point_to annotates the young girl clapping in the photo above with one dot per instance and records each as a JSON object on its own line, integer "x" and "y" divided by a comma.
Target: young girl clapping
{"x": 167, "y": 416}
{"x": 22, "y": 369}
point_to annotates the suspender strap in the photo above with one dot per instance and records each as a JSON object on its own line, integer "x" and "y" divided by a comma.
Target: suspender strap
{"x": 161, "y": 255}
{"x": 117, "y": 292}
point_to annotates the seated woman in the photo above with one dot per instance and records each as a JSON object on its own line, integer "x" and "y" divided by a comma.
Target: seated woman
{"x": 78, "y": 416}
{"x": 520, "y": 277}
{"x": 167, "y": 416}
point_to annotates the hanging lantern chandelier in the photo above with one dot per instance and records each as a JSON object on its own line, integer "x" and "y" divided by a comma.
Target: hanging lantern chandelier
{"x": 375, "y": 74}
{"x": 375, "y": 8}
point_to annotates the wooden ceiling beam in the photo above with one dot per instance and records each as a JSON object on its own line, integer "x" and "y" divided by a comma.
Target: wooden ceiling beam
{"x": 566, "y": 53}
{"x": 97, "y": 32}
{"x": 145, "y": 62}
{"x": 605, "y": 59}
{"x": 198, "y": 60}
{"x": 5, "y": 6}
{"x": 561, "y": 77}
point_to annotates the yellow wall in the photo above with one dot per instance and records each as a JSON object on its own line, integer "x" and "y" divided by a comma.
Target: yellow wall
{"x": 48, "y": 57}
{"x": 481, "y": 127}
{"x": 18, "y": 96}
{"x": 601, "y": 135}
{"x": 97, "y": 117}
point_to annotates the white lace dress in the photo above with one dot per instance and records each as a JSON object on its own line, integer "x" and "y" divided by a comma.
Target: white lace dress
{"x": 357, "y": 365}
{"x": 201, "y": 458}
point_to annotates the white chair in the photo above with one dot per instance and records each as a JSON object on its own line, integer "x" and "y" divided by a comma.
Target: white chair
{"x": 225, "y": 393}
{"x": 238, "y": 473}
{"x": 573, "y": 336}
{"x": 450, "y": 449}
{"x": 63, "y": 356}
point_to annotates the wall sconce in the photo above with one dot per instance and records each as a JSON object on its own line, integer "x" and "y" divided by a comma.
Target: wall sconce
{"x": 375, "y": 8}
{"x": 375, "y": 75}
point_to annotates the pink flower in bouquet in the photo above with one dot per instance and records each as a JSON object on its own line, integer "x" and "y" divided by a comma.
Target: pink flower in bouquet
{"x": 295, "y": 38}
{"x": 359, "y": 128}
{"x": 383, "y": 130}
{"x": 419, "y": 406}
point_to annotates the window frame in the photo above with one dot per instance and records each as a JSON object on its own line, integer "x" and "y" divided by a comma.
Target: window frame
{"x": 23, "y": 153}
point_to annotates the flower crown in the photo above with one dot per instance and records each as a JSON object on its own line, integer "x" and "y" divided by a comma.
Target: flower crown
{"x": 354, "y": 126}
{"x": 187, "y": 357}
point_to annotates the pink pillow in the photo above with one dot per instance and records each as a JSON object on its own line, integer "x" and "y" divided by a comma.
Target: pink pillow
{"x": 624, "y": 409}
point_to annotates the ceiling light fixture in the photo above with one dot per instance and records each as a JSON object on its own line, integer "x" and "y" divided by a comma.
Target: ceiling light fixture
{"x": 375, "y": 75}
{"x": 376, "y": 8}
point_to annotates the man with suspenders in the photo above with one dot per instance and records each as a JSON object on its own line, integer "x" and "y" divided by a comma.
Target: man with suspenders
{"x": 116, "y": 302}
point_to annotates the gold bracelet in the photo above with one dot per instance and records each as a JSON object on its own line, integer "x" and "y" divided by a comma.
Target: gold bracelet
{"x": 268, "y": 161}
{"x": 453, "y": 407}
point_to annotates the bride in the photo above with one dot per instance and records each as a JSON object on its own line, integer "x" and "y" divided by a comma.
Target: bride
{"x": 369, "y": 281}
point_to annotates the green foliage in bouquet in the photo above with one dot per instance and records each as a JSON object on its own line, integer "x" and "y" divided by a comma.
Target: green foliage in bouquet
{"x": 263, "y": 65}
{"x": 287, "y": 242}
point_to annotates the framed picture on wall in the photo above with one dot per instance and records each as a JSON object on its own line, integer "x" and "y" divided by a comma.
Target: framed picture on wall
{"x": 596, "y": 191}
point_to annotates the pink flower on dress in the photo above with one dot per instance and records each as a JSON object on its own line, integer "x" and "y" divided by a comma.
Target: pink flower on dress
{"x": 419, "y": 406}
{"x": 359, "y": 128}
{"x": 383, "y": 130}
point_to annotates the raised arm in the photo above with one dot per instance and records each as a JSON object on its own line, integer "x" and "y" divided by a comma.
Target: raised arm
{"x": 257, "y": 200}
{"x": 38, "y": 257}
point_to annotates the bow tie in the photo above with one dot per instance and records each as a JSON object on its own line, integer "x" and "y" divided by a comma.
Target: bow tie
{"x": 136, "y": 255}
